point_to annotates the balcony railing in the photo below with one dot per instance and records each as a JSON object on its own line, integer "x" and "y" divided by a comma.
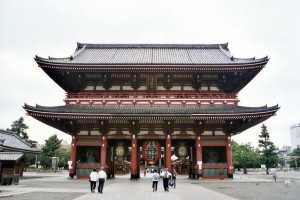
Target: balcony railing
{"x": 145, "y": 95}
{"x": 151, "y": 99}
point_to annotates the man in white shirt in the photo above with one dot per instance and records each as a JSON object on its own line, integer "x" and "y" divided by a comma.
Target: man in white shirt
{"x": 166, "y": 175}
{"x": 102, "y": 178}
{"x": 93, "y": 180}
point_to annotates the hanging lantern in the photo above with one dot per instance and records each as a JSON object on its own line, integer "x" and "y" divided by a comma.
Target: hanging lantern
{"x": 151, "y": 151}
{"x": 181, "y": 151}
{"x": 120, "y": 151}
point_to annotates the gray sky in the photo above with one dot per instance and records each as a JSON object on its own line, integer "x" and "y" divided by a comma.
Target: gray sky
{"x": 52, "y": 28}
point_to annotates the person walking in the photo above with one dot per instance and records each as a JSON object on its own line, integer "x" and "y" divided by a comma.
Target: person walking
{"x": 93, "y": 180}
{"x": 145, "y": 171}
{"x": 155, "y": 179}
{"x": 174, "y": 175}
{"x": 273, "y": 173}
{"x": 101, "y": 178}
{"x": 166, "y": 175}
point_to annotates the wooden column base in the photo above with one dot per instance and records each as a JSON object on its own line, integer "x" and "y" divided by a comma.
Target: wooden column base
{"x": 134, "y": 176}
{"x": 199, "y": 175}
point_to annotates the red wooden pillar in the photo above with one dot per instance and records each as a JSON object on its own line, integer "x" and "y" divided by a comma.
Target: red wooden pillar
{"x": 103, "y": 152}
{"x": 134, "y": 162}
{"x": 72, "y": 168}
{"x": 199, "y": 156}
{"x": 168, "y": 153}
{"x": 229, "y": 157}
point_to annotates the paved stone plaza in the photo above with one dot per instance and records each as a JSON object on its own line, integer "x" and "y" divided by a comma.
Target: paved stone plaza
{"x": 36, "y": 186}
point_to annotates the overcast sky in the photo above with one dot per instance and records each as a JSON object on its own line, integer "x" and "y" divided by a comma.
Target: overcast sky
{"x": 52, "y": 28}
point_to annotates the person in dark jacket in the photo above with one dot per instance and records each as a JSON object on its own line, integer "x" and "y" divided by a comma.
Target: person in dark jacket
{"x": 174, "y": 175}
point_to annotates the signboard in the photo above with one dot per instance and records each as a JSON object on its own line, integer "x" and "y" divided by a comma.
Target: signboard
{"x": 151, "y": 83}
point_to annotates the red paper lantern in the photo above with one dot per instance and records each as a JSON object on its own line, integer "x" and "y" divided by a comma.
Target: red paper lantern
{"x": 151, "y": 151}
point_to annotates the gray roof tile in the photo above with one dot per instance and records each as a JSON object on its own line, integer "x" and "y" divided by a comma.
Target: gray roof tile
{"x": 160, "y": 110}
{"x": 151, "y": 54}
{"x": 10, "y": 156}
{"x": 10, "y": 141}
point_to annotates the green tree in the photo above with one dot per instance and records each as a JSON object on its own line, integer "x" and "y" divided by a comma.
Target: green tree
{"x": 268, "y": 150}
{"x": 20, "y": 128}
{"x": 235, "y": 153}
{"x": 295, "y": 158}
{"x": 64, "y": 157}
{"x": 50, "y": 149}
{"x": 31, "y": 159}
{"x": 243, "y": 156}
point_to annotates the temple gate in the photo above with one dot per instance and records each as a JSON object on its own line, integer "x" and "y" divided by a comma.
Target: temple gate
{"x": 152, "y": 105}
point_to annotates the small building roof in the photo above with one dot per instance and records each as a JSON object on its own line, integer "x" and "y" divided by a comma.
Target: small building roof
{"x": 11, "y": 156}
{"x": 151, "y": 54}
{"x": 10, "y": 141}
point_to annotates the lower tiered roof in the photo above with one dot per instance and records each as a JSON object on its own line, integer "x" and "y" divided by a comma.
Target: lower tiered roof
{"x": 147, "y": 110}
{"x": 69, "y": 118}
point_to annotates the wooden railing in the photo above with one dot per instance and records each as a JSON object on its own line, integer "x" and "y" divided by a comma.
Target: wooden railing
{"x": 144, "y": 95}
{"x": 151, "y": 99}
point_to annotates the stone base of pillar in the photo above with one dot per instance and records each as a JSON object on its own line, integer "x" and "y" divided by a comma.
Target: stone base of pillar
{"x": 230, "y": 175}
{"x": 134, "y": 176}
{"x": 199, "y": 176}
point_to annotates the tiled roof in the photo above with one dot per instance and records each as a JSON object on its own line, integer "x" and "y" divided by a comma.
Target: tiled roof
{"x": 151, "y": 54}
{"x": 10, "y": 141}
{"x": 10, "y": 156}
{"x": 160, "y": 110}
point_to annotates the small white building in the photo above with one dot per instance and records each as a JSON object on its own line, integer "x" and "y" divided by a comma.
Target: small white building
{"x": 295, "y": 136}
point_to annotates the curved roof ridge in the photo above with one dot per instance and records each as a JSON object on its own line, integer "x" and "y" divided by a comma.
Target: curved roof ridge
{"x": 53, "y": 58}
{"x": 184, "y": 46}
{"x": 50, "y": 58}
{"x": 78, "y": 51}
{"x": 39, "y": 58}
{"x": 227, "y": 53}
{"x": 266, "y": 58}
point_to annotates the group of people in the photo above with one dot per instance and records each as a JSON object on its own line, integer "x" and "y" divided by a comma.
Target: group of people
{"x": 97, "y": 177}
{"x": 169, "y": 179}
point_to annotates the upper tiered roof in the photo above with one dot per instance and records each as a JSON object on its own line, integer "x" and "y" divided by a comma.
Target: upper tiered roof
{"x": 151, "y": 54}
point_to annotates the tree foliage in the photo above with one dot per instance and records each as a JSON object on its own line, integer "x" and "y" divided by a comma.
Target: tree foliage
{"x": 268, "y": 150}
{"x": 50, "y": 149}
{"x": 64, "y": 157}
{"x": 244, "y": 156}
{"x": 20, "y": 128}
{"x": 295, "y": 161}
